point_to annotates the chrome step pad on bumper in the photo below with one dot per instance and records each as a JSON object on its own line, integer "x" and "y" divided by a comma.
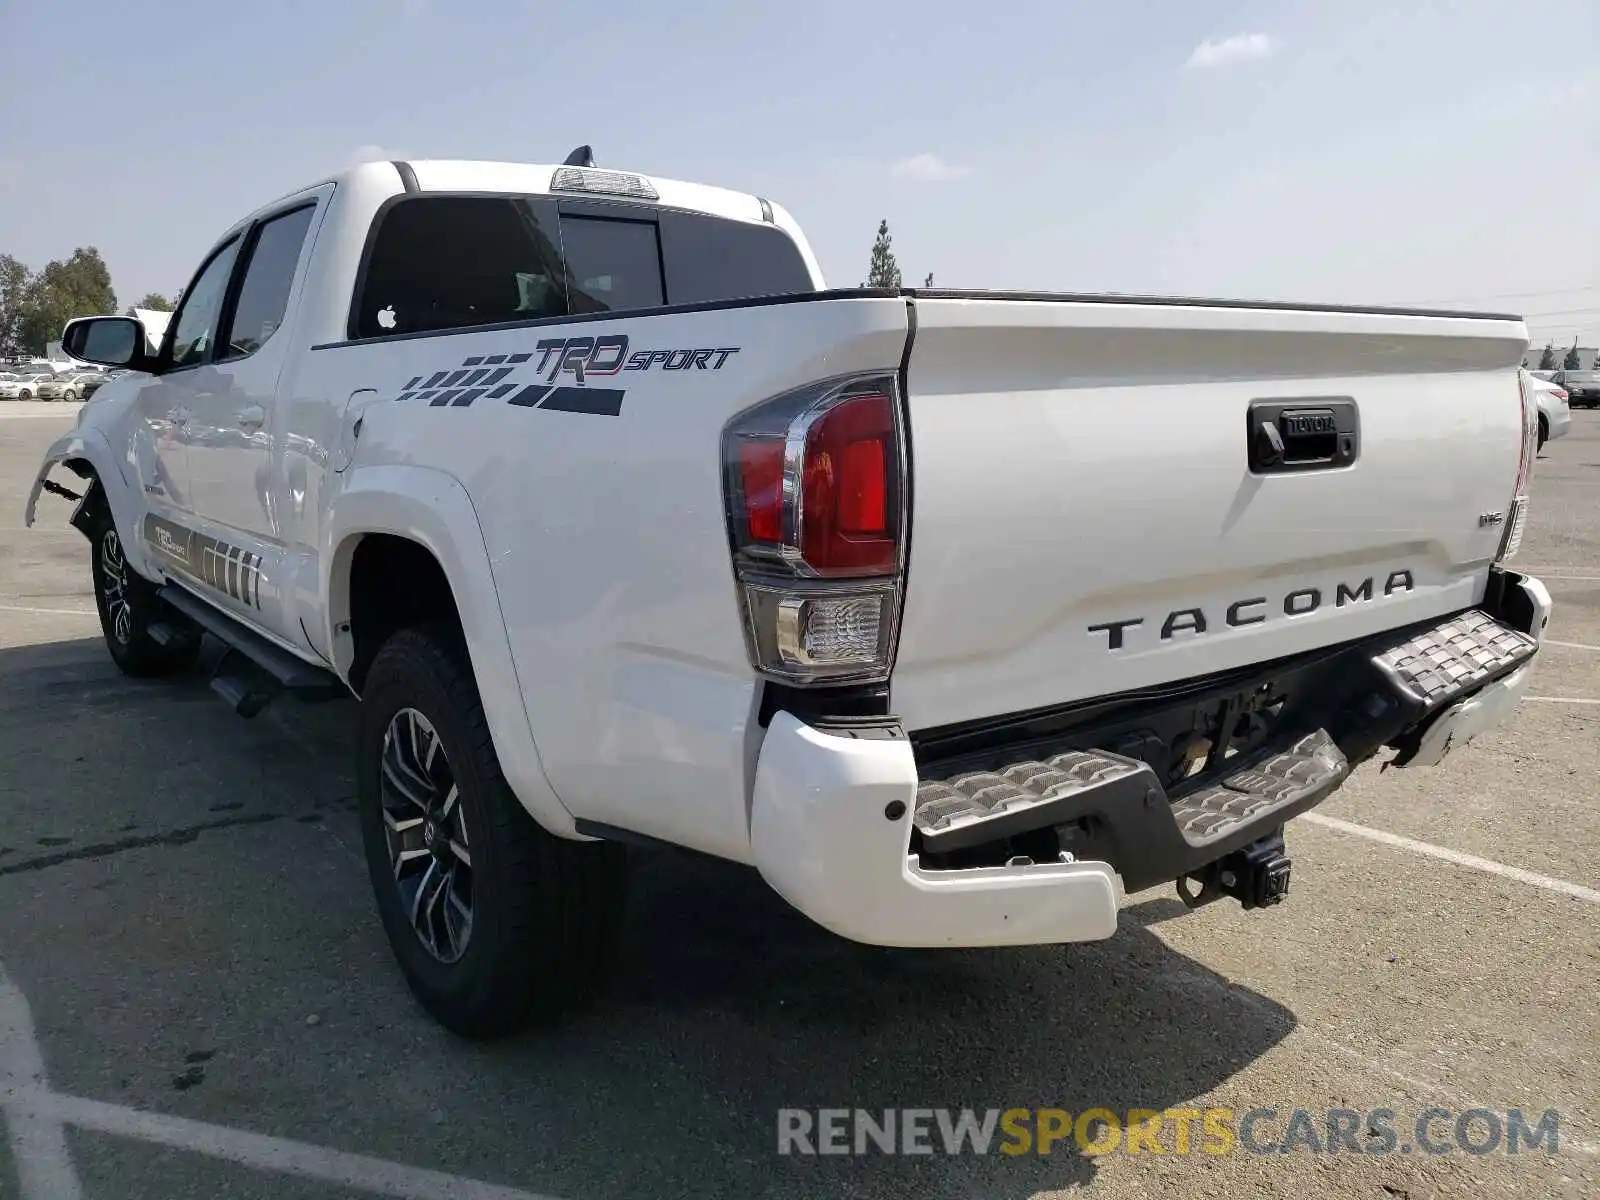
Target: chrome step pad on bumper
{"x": 1314, "y": 764}
{"x": 970, "y": 810}
{"x": 1432, "y": 668}
{"x": 1410, "y": 677}
{"x": 974, "y": 808}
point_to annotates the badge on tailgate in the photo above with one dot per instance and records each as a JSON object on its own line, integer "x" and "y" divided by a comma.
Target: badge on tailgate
{"x": 1317, "y": 433}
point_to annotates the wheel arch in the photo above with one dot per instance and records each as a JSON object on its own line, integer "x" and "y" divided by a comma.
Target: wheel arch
{"x": 87, "y": 454}
{"x": 408, "y": 522}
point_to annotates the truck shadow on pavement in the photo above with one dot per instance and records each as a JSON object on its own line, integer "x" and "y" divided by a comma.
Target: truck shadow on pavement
{"x": 725, "y": 1006}
{"x": 743, "y": 1008}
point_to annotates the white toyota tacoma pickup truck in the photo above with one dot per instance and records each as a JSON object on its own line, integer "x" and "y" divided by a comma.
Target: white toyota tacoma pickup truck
{"x": 956, "y": 615}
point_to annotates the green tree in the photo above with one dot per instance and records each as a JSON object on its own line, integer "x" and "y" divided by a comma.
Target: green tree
{"x": 154, "y": 301}
{"x": 884, "y": 271}
{"x": 78, "y": 287}
{"x": 1547, "y": 360}
{"x": 1570, "y": 362}
{"x": 14, "y": 277}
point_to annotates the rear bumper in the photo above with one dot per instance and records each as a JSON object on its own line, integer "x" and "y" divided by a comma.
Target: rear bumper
{"x": 846, "y": 827}
{"x": 1523, "y": 604}
{"x": 830, "y": 828}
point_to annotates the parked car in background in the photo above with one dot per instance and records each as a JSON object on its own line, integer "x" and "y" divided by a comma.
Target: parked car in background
{"x": 1582, "y": 387}
{"x": 93, "y": 381}
{"x": 1555, "y": 417}
{"x": 68, "y": 386}
{"x": 25, "y": 386}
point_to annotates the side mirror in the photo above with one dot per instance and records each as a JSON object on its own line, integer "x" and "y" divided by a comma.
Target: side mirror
{"x": 109, "y": 341}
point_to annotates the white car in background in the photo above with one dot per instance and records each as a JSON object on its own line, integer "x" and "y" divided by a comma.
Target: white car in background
{"x": 24, "y": 385}
{"x": 1555, "y": 416}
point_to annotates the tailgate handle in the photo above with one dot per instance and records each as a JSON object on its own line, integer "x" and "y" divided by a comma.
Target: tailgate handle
{"x": 1310, "y": 434}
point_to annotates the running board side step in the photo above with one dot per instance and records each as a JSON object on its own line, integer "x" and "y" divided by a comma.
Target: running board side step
{"x": 254, "y": 670}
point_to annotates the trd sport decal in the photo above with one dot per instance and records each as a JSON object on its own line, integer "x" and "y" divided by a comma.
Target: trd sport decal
{"x": 486, "y": 376}
{"x": 216, "y": 564}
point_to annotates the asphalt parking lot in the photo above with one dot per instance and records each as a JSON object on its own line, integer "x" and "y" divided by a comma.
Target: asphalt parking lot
{"x": 196, "y": 999}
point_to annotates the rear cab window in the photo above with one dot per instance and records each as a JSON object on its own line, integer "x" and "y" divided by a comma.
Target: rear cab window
{"x": 441, "y": 262}
{"x": 709, "y": 259}
{"x": 612, "y": 265}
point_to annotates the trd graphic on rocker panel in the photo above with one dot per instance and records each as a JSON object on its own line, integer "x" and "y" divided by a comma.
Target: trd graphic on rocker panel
{"x": 492, "y": 376}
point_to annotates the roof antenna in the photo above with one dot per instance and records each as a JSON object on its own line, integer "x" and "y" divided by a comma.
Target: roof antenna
{"x": 583, "y": 156}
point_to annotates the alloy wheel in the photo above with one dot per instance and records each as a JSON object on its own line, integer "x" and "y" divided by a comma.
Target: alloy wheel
{"x": 114, "y": 583}
{"x": 425, "y": 826}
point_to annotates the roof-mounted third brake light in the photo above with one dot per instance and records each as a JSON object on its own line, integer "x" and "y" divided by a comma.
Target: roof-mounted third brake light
{"x": 579, "y": 174}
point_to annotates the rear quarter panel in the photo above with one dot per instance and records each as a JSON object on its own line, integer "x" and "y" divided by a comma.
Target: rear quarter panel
{"x": 607, "y": 538}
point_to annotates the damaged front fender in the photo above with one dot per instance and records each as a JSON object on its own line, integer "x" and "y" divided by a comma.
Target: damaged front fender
{"x": 86, "y": 453}
{"x": 63, "y": 449}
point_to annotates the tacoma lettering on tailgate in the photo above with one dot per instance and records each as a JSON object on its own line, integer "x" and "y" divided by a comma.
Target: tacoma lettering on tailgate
{"x": 1254, "y": 609}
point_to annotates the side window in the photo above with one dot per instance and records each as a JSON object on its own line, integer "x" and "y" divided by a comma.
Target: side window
{"x": 611, "y": 264}
{"x": 195, "y": 322}
{"x": 268, "y": 276}
{"x": 709, "y": 258}
{"x": 448, "y": 262}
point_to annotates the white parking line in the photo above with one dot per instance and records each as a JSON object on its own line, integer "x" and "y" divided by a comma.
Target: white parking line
{"x": 53, "y": 612}
{"x": 1562, "y": 699}
{"x": 38, "y": 1143}
{"x": 36, "y": 1118}
{"x": 1427, "y": 1089}
{"x": 1569, "y": 645}
{"x": 1561, "y": 886}
{"x": 263, "y": 1153}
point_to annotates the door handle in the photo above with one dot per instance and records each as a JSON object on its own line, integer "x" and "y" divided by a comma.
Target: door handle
{"x": 252, "y": 416}
{"x": 1315, "y": 434}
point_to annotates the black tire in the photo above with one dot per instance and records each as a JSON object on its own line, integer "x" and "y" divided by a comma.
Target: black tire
{"x": 540, "y": 913}
{"x": 69, "y": 395}
{"x": 129, "y": 606}
{"x": 1544, "y": 433}
{"x": 24, "y": 395}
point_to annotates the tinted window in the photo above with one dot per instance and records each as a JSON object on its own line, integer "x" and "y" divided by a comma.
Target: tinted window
{"x": 264, "y": 294}
{"x": 611, "y": 264}
{"x": 196, "y": 321}
{"x": 444, "y": 262}
{"x": 711, "y": 259}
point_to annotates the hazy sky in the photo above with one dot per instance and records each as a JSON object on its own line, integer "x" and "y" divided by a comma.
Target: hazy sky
{"x": 1391, "y": 151}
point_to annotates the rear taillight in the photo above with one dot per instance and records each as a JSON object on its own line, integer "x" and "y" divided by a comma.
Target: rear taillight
{"x": 1517, "y": 518}
{"x": 814, "y": 484}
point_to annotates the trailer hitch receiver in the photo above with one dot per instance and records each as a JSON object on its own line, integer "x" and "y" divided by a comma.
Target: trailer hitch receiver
{"x": 1255, "y": 876}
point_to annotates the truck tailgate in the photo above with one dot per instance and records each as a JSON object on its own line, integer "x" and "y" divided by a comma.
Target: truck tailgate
{"x": 1087, "y": 518}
